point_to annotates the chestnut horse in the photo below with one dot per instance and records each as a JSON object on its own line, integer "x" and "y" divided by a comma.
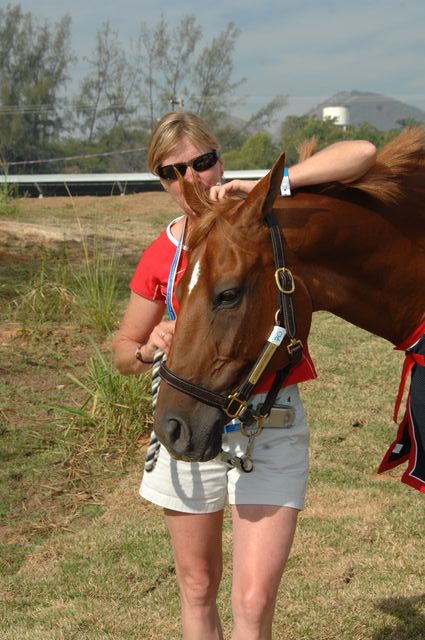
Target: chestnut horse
{"x": 356, "y": 250}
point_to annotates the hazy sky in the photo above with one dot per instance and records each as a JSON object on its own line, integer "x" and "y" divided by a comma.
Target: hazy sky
{"x": 305, "y": 49}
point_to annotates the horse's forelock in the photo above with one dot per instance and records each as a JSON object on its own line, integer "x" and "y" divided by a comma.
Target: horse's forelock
{"x": 201, "y": 226}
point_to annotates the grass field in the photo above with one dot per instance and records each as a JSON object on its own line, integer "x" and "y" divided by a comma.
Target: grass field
{"x": 81, "y": 555}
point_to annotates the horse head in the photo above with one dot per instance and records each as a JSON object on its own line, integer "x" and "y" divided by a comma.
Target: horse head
{"x": 228, "y": 303}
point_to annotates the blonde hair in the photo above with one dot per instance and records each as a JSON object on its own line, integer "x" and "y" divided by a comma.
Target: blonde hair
{"x": 171, "y": 130}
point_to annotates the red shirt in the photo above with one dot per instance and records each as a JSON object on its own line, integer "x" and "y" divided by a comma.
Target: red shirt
{"x": 150, "y": 281}
{"x": 150, "y": 278}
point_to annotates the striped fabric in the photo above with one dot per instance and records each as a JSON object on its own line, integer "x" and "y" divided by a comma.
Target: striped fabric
{"x": 409, "y": 445}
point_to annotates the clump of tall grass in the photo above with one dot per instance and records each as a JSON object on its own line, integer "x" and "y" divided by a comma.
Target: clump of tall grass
{"x": 116, "y": 408}
{"x": 47, "y": 296}
{"x": 96, "y": 288}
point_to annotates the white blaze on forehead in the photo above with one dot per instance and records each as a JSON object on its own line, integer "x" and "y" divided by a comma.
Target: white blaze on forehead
{"x": 194, "y": 277}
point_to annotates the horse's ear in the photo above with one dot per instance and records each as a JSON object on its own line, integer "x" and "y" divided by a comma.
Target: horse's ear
{"x": 261, "y": 199}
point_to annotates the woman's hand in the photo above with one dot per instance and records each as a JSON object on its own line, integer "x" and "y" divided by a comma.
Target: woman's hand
{"x": 160, "y": 338}
{"x": 239, "y": 188}
{"x": 141, "y": 328}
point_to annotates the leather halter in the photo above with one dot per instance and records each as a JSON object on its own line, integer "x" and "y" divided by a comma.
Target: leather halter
{"x": 235, "y": 404}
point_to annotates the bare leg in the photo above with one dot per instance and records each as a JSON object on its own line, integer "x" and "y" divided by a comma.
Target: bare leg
{"x": 262, "y": 538}
{"x": 196, "y": 542}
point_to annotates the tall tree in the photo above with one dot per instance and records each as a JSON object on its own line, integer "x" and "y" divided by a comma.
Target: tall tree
{"x": 266, "y": 116}
{"x": 177, "y": 75}
{"x": 149, "y": 45}
{"x": 175, "y": 51}
{"x": 34, "y": 60}
{"x": 107, "y": 93}
{"x": 212, "y": 84}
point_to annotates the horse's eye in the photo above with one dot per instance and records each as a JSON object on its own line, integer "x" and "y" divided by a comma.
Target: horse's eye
{"x": 228, "y": 298}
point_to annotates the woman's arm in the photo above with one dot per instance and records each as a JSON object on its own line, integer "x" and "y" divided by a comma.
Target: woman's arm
{"x": 343, "y": 161}
{"x": 142, "y": 324}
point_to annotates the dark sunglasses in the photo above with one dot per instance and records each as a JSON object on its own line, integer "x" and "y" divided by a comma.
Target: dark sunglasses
{"x": 199, "y": 164}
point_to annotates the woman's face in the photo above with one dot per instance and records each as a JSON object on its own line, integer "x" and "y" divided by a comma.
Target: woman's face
{"x": 185, "y": 152}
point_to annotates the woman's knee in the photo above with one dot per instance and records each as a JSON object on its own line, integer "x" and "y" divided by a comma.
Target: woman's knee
{"x": 199, "y": 585}
{"x": 253, "y": 606}
{"x": 197, "y": 549}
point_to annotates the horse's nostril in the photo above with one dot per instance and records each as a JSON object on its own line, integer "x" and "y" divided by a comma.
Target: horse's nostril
{"x": 177, "y": 436}
{"x": 173, "y": 430}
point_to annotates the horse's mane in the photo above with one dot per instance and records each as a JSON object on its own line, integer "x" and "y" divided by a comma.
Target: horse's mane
{"x": 394, "y": 160}
{"x": 383, "y": 181}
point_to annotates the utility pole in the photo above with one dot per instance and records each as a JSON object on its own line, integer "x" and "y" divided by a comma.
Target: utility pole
{"x": 176, "y": 102}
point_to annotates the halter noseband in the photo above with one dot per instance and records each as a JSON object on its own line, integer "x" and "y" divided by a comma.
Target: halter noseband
{"x": 235, "y": 405}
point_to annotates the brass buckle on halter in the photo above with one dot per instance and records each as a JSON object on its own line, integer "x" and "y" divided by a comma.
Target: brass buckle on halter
{"x": 233, "y": 398}
{"x": 294, "y": 344}
{"x": 286, "y": 274}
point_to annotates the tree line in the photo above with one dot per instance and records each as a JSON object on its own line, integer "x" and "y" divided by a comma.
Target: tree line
{"x": 106, "y": 125}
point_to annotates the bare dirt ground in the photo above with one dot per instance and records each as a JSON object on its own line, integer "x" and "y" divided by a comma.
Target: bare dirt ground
{"x": 131, "y": 220}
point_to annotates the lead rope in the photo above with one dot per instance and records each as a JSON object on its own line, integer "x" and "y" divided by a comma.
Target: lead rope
{"x": 154, "y": 445}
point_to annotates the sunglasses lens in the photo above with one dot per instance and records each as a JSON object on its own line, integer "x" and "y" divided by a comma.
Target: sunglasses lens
{"x": 167, "y": 172}
{"x": 181, "y": 167}
{"x": 205, "y": 162}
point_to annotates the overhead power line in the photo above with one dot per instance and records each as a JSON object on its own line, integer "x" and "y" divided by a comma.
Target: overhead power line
{"x": 45, "y": 108}
{"x": 36, "y": 109}
{"x": 79, "y": 157}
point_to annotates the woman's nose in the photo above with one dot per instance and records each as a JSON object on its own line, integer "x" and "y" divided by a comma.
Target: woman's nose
{"x": 191, "y": 175}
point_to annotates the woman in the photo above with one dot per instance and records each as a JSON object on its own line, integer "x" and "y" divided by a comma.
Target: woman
{"x": 266, "y": 502}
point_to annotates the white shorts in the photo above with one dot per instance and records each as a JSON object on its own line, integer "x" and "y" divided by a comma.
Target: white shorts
{"x": 279, "y": 477}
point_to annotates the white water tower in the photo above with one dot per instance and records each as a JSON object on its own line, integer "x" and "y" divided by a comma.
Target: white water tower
{"x": 341, "y": 115}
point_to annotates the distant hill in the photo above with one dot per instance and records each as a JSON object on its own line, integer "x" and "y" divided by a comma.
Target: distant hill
{"x": 380, "y": 111}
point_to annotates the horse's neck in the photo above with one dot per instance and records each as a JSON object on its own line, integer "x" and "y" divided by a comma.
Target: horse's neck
{"x": 355, "y": 264}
